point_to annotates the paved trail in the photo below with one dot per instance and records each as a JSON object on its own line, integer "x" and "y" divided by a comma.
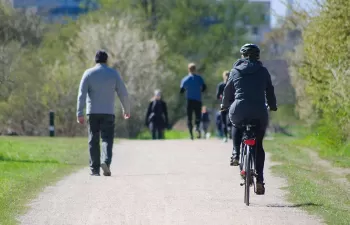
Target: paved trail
{"x": 163, "y": 183}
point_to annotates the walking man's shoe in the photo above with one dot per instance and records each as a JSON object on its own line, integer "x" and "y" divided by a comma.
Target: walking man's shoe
{"x": 95, "y": 173}
{"x": 106, "y": 170}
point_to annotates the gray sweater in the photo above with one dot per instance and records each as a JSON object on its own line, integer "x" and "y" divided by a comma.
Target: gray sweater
{"x": 97, "y": 90}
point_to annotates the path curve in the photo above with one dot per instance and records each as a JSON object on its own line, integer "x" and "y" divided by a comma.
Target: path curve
{"x": 164, "y": 183}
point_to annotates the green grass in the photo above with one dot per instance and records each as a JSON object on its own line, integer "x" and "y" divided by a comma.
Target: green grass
{"x": 27, "y": 164}
{"x": 169, "y": 134}
{"x": 309, "y": 184}
{"x": 337, "y": 153}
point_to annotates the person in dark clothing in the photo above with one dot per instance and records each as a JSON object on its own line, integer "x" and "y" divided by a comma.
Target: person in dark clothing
{"x": 205, "y": 120}
{"x": 97, "y": 92}
{"x": 219, "y": 123}
{"x": 157, "y": 116}
{"x": 194, "y": 85}
{"x": 219, "y": 93}
{"x": 248, "y": 86}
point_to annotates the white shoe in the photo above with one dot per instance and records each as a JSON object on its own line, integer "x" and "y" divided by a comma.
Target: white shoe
{"x": 225, "y": 139}
{"x": 207, "y": 135}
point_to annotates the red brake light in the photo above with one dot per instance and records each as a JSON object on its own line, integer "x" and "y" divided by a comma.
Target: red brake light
{"x": 249, "y": 142}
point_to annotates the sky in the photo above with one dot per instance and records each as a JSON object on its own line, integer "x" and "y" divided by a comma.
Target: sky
{"x": 278, "y": 8}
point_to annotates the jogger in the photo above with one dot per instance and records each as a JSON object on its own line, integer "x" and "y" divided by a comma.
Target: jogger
{"x": 194, "y": 85}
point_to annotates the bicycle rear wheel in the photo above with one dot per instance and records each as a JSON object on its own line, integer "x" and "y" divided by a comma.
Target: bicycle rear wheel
{"x": 248, "y": 177}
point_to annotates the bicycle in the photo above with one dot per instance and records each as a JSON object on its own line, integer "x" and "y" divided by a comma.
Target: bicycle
{"x": 247, "y": 163}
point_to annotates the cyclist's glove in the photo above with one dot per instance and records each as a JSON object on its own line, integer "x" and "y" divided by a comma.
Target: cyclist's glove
{"x": 222, "y": 108}
{"x": 273, "y": 108}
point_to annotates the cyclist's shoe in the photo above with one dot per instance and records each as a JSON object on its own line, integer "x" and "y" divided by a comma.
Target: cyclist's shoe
{"x": 225, "y": 139}
{"x": 260, "y": 188}
{"x": 234, "y": 162}
{"x": 106, "y": 170}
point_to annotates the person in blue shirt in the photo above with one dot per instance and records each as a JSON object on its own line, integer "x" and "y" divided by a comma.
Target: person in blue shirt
{"x": 193, "y": 84}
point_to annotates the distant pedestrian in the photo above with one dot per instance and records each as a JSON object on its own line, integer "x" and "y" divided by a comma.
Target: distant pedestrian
{"x": 218, "y": 122}
{"x": 97, "y": 91}
{"x": 157, "y": 116}
{"x": 194, "y": 85}
{"x": 226, "y": 124}
{"x": 205, "y": 121}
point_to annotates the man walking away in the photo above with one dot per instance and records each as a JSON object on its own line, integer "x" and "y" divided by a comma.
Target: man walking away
{"x": 157, "y": 116}
{"x": 194, "y": 85}
{"x": 97, "y": 90}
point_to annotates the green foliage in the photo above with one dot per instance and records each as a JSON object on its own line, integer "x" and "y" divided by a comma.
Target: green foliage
{"x": 326, "y": 68}
{"x": 150, "y": 46}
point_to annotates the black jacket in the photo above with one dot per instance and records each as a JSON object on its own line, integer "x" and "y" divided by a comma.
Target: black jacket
{"x": 246, "y": 91}
{"x": 157, "y": 113}
{"x": 220, "y": 90}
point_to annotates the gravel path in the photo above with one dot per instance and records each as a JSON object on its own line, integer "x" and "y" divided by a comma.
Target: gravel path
{"x": 163, "y": 183}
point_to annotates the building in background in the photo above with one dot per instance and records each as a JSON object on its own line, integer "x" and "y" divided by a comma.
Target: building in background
{"x": 55, "y": 10}
{"x": 257, "y": 33}
{"x": 58, "y": 10}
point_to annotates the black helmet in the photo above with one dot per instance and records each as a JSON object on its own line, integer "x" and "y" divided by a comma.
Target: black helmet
{"x": 250, "y": 50}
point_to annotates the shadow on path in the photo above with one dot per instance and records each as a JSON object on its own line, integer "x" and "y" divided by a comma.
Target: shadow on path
{"x": 292, "y": 205}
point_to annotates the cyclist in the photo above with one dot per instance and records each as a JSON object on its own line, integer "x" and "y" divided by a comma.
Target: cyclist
{"x": 194, "y": 85}
{"x": 244, "y": 95}
{"x": 219, "y": 93}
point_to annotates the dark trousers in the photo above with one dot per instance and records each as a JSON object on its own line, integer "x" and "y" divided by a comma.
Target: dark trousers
{"x": 205, "y": 126}
{"x": 157, "y": 131}
{"x": 195, "y": 107}
{"x": 100, "y": 126}
{"x": 237, "y": 133}
{"x": 224, "y": 122}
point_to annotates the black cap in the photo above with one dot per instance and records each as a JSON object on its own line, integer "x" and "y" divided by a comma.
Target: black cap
{"x": 101, "y": 56}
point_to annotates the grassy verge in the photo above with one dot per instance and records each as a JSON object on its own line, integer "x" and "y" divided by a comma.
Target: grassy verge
{"x": 28, "y": 164}
{"x": 169, "y": 134}
{"x": 310, "y": 185}
{"x": 338, "y": 154}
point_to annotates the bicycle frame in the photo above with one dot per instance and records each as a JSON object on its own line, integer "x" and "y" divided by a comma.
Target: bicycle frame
{"x": 248, "y": 145}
